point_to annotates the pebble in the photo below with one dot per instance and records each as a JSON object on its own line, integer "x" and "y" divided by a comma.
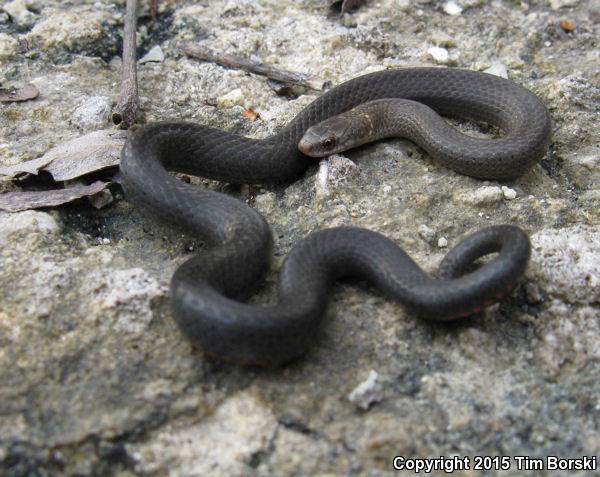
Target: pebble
{"x": 568, "y": 26}
{"x": 483, "y": 196}
{"x": 19, "y": 13}
{"x": 367, "y": 393}
{"x": 101, "y": 199}
{"x": 438, "y": 54}
{"x": 155, "y": 55}
{"x": 442, "y": 242}
{"x": 426, "y": 233}
{"x": 92, "y": 113}
{"x": 266, "y": 202}
{"x": 558, "y": 4}
{"x": 452, "y": 8}
{"x": 440, "y": 38}
{"x": 497, "y": 69}
{"x": 335, "y": 171}
{"x": 233, "y": 98}
{"x": 509, "y": 194}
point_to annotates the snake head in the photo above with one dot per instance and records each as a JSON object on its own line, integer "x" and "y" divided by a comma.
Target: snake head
{"x": 326, "y": 138}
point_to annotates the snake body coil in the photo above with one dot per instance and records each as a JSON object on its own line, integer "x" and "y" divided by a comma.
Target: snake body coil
{"x": 207, "y": 291}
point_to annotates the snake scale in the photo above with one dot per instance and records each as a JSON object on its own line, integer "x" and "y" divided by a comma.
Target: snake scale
{"x": 208, "y": 291}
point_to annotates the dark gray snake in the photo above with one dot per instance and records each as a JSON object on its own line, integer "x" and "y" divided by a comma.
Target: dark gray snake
{"x": 208, "y": 291}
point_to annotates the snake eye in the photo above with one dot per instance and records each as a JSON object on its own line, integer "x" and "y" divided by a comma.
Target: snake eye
{"x": 329, "y": 142}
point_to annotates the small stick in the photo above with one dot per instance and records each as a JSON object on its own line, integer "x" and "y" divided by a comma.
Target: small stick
{"x": 231, "y": 61}
{"x": 153, "y": 8}
{"x": 125, "y": 111}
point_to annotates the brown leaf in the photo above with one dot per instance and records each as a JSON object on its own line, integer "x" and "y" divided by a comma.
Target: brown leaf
{"x": 251, "y": 114}
{"x": 11, "y": 95}
{"x": 25, "y": 200}
{"x": 89, "y": 153}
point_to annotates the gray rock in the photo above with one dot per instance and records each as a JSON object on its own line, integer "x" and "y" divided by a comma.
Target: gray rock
{"x": 367, "y": 392}
{"x": 8, "y": 46}
{"x": 123, "y": 298}
{"x": 155, "y": 55}
{"x": 70, "y": 31}
{"x": 92, "y": 113}
{"x": 95, "y": 377}
{"x": 224, "y": 443}
{"x": 426, "y": 233}
{"x": 566, "y": 263}
{"x": 20, "y": 12}
{"x": 16, "y": 226}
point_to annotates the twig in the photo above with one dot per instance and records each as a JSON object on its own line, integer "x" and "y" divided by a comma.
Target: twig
{"x": 231, "y": 61}
{"x": 125, "y": 111}
{"x": 153, "y": 8}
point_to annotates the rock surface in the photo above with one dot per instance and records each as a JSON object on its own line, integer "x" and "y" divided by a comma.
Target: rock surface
{"x": 95, "y": 378}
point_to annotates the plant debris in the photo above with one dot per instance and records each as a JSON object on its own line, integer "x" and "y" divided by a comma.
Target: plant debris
{"x": 90, "y": 153}
{"x": 250, "y": 114}
{"x": 25, "y": 200}
{"x": 231, "y": 61}
{"x": 125, "y": 112}
{"x": 24, "y": 93}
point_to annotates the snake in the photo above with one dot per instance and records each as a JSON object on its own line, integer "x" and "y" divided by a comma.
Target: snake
{"x": 210, "y": 292}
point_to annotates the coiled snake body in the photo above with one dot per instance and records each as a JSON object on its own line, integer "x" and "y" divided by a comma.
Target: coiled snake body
{"x": 208, "y": 290}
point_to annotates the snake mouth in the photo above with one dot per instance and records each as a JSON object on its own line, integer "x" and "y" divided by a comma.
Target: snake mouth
{"x": 307, "y": 146}
{"x": 304, "y": 146}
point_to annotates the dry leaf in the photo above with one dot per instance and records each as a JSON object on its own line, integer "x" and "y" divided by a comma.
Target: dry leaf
{"x": 250, "y": 114}
{"x": 70, "y": 160}
{"x": 27, "y": 167}
{"x": 25, "y": 200}
{"x": 24, "y": 93}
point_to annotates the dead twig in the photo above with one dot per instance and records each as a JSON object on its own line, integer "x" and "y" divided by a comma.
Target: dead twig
{"x": 231, "y": 61}
{"x": 125, "y": 111}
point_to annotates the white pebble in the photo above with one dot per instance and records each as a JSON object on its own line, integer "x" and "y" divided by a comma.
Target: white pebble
{"x": 483, "y": 195}
{"x": 452, "y": 8}
{"x": 497, "y": 69}
{"x": 442, "y": 242}
{"x": 438, "y": 54}
{"x": 233, "y": 98}
{"x": 509, "y": 194}
{"x": 368, "y": 392}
